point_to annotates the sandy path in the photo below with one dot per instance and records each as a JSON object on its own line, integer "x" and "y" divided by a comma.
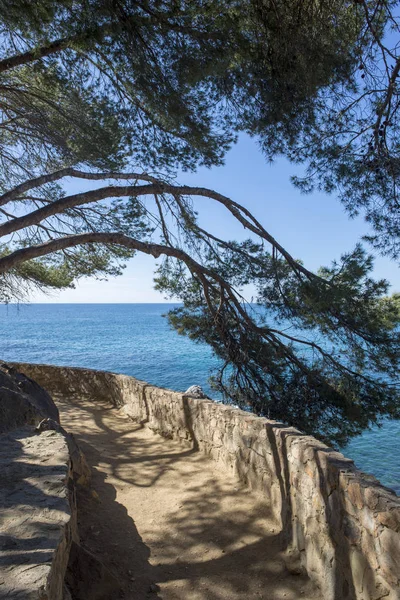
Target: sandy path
{"x": 169, "y": 522}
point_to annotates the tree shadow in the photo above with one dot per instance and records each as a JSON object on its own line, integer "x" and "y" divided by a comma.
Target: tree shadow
{"x": 228, "y": 547}
{"x": 121, "y": 446}
{"x": 281, "y": 465}
{"x": 109, "y": 533}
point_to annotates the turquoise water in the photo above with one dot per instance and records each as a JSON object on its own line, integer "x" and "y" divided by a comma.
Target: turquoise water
{"x": 136, "y": 340}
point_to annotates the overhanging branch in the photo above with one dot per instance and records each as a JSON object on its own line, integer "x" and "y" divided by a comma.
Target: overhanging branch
{"x": 243, "y": 215}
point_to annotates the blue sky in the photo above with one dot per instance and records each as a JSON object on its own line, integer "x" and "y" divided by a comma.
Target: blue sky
{"x": 313, "y": 227}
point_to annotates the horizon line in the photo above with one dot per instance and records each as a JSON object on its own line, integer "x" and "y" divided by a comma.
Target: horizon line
{"x": 27, "y": 302}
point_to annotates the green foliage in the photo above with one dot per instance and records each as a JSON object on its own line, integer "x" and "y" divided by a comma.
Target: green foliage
{"x": 172, "y": 82}
{"x": 61, "y": 269}
{"x": 348, "y": 137}
{"x": 116, "y": 90}
{"x": 17, "y": 284}
{"x": 46, "y": 123}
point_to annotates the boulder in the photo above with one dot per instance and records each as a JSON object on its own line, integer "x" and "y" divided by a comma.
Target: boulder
{"x": 23, "y": 401}
{"x": 195, "y": 391}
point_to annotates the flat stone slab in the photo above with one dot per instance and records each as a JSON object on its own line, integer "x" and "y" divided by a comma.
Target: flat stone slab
{"x": 36, "y": 525}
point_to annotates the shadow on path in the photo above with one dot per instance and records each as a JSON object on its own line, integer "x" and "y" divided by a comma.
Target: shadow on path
{"x": 169, "y": 522}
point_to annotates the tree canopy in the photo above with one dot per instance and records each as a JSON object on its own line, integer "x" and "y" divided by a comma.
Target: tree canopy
{"x": 351, "y": 142}
{"x": 169, "y": 83}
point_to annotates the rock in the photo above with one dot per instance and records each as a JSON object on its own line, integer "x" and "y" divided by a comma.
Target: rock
{"x": 195, "y": 391}
{"x": 23, "y": 401}
{"x": 389, "y": 557}
{"x": 49, "y": 425}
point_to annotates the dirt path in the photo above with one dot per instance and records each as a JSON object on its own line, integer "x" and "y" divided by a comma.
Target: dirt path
{"x": 171, "y": 524}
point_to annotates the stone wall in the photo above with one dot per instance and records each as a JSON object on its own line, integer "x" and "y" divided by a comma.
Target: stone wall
{"x": 37, "y": 494}
{"x": 341, "y": 524}
{"x": 37, "y": 514}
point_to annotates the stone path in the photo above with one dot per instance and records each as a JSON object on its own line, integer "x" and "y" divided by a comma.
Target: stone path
{"x": 168, "y": 522}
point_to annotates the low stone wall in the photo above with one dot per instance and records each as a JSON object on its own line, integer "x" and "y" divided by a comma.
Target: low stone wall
{"x": 41, "y": 468}
{"x": 341, "y": 524}
{"x": 37, "y": 496}
{"x": 37, "y": 514}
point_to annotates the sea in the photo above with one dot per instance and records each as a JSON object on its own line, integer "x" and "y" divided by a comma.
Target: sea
{"x": 136, "y": 339}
